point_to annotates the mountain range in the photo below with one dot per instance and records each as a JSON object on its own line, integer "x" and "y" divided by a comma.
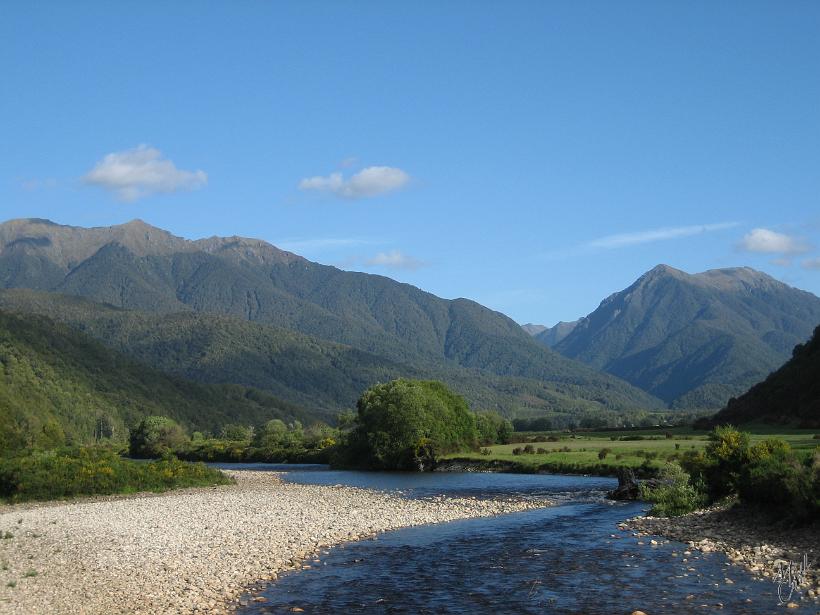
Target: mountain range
{"x": 231, "y": 310}
{"x": 693, "y": 340}
{"x": 236, "y": 310}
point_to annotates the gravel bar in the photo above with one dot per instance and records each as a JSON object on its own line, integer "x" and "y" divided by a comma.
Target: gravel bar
{"x": 748, "y": 542}
{"x": 193, "y": 551}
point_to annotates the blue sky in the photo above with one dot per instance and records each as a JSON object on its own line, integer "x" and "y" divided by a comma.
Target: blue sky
{"x": 533, "y": 156}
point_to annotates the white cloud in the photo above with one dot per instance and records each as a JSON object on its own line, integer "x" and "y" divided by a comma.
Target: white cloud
{"x": 811, "y": 263}
{"x": 371, "y": 181}
{"x": 659, "y": 234}
{"x": 394, "y": 259}
{"x": 771, "y": 242}
{"x": 136, "y": 173}
{"x": 782, "y": 262}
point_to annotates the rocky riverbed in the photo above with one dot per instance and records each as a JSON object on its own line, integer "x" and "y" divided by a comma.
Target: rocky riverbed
{"x": 197, "y": 550}
{"x": 746, "y": 540}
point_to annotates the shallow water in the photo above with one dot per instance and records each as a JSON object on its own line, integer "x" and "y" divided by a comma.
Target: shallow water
{"x": 562, "y": 559}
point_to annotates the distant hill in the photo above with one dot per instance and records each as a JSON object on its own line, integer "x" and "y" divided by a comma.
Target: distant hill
{"x": 695, "y": 340}
{"x": 57, "y": 384}
{"x": 550, "y": 336}
{"x": 791, "y": 395}
{"x": 140, "y": 267}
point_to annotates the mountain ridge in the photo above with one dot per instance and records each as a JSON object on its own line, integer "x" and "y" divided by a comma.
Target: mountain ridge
{"x": 139, "y": 267}
{"x": 694, "y": 340}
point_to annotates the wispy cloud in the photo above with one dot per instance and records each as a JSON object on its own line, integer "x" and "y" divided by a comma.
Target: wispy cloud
{"x": 811, "y": 263}
{"x": 766, "y": 241}
{"x": 369, "y": 182}
{"x": 622, "y": 240}
{"x": 394, "y": 259}
{"x": 136, "y": 173}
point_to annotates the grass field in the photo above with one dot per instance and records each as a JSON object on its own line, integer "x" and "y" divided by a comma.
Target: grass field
{"x": 643, "y": 450}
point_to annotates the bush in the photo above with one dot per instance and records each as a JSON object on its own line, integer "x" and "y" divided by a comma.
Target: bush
{"x": 529, "y": 449}
{"x": 603, "y": 453}
{"x": 517, "y": 450}
{"x": 675, "y": 495}
{"x": 156, "y": 436}
{"x": 95, "y": 470}
{"x": 541, "y": 451}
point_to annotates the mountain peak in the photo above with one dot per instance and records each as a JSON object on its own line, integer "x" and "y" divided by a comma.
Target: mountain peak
{"x": 662, "y": 270}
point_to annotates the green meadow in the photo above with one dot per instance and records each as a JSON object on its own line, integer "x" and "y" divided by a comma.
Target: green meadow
{"x": 603, "y": 452}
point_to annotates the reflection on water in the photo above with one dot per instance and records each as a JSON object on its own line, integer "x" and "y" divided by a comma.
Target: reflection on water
{"x": 566, "y": 559}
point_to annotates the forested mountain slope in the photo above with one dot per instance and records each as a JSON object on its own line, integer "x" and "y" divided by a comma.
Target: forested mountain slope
{"x": 58, "y": 386}
{"x": 791, "y": 395}
{"x": 140, "y": 267}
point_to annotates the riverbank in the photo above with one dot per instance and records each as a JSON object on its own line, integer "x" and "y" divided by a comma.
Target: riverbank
{"x": 466, "y": 464}
{"x": 744, "y": 538}
{"x": 193, "y": 551}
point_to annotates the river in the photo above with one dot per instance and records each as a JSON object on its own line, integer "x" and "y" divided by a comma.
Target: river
{"x": 570, "y": 558}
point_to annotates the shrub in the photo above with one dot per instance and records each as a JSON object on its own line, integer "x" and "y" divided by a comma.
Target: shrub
{"x": 675, "y": 495}
{"x": 603, "y": 453}
{"x": 541, "y": 451}
{"x": 155, "y": 436}
{"x": 726, "y": 456}
{"x": 95, "y": 470}
{"x": 529, "y": 449}
{"x": 517, "y": 450}
{"x": 486, "y": 451}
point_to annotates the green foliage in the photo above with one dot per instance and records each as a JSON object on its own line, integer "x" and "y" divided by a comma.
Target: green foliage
{"x": 675, "y": 495}
{"x": 768, "y": 474}
{"x": 155, "y": 436}
{"x": 237, "y": 433}
{"x": 790, "y": 395}
{"x": 493, "y": 428}
{"x": 66, "y": 473}
{"x": 272, "y": 442}
{"x": 406, "y": 424}
{"x": 58, "y": 386}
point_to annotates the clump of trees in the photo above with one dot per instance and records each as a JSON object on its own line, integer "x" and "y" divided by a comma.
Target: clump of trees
{"x": 401, "y": 425}
{"x": 273, "y": 441}
{"x": 406, "y": 424}
{"x": 768, "y": 476}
